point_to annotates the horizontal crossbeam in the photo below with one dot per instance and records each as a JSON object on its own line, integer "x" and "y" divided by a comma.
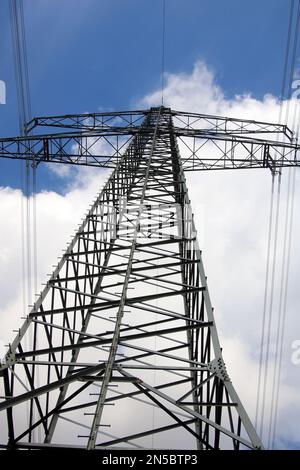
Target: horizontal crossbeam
{"x": 207, "y": 142}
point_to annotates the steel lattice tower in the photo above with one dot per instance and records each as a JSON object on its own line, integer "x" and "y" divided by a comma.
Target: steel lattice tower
{"x": 126, "y": 318}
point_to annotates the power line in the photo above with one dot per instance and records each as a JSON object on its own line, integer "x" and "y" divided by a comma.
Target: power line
{"x": 28, "y": 216}
{"x": 275, "y": 382}
{"x": 265, "y": 301}
{"x": 163, "y": 50}
{"x": 286, "y": 60}
{"x": 267, "y": 320}
{"x": 24, "y": 107}
{"x": 284, "y": 309}
{"x": 21, "y": 65}
{"x": 270, "y": 313}
{"x": 286, "y": 250}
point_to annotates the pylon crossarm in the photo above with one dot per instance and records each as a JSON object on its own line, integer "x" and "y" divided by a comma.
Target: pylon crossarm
{"x": 230, "y": 126}
{"x": 90, "y": 121}
{"x": 233, "y": 153}
{"x": 206, "y": 142}
{"x": 181, "y": 120}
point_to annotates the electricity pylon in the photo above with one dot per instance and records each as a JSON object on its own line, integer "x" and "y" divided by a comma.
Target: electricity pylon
{"x": 124, "y": 335}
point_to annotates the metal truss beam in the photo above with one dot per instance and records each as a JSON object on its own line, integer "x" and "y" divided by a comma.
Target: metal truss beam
{"x": 207, "y": 142}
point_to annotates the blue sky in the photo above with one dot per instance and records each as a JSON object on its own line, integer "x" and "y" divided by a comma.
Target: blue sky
{"x": 90, "y": 55}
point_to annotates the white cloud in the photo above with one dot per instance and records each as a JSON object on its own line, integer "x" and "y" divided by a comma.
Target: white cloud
{"x": 57, "y": 218}
{"x": 197, "y": 89}
{"x": 198, "y": 92}
{"x": 234, "y": 222}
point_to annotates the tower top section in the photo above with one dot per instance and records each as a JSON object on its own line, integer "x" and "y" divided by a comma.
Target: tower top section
{"x": 206, "y": 142}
